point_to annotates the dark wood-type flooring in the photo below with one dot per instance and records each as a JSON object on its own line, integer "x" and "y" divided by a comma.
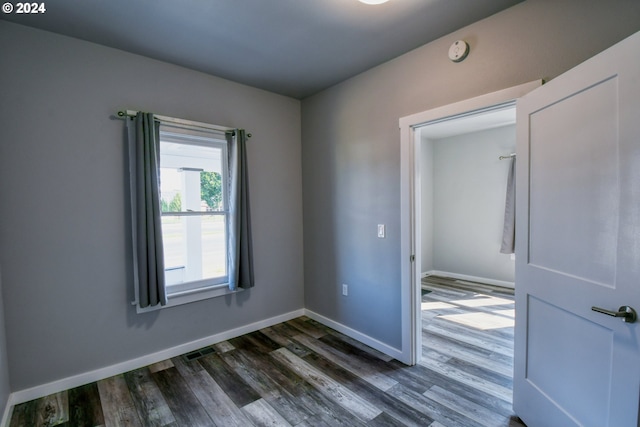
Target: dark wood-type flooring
{"x": 301, "y": 373}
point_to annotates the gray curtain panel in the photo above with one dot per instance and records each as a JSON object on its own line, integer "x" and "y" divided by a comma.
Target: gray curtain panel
{"x": 144, "y": 168}
{"x": 240, "y": 244}
{"x": 509, "y": 228}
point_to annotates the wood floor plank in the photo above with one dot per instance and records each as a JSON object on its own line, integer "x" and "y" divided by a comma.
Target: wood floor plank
{"x": 117, "y": 405}
{"x": 345, "y": 347}
{"x": 428, "y": 353}
{"x": 324, "y": 409}
{"x": 256, "y": 368}
{"x": 308, "y": 328}
{"x": 467, "y": 408}
{"x": 160, "y": 366}
{"x": 258, "y": 340}
{"x": 385, "y": 420}
{"x": 466, "y": 336}
{"x": 223, "y": 347}
{"x": 285, "y": 330}
{"x": 24, "y": 415}
{"x": 316, "y": 421}
{"x": 263, "y": 364}
{"x": 397, "y": 409}
{"x": 238, "y": 390}
{"x": 53, "y": 410}
{"x": 216, "y": 402}
{"x": 355, "y": 343}
{"x": 482, "y": 372}
{"x": 85, "y": 408}
{"x": 501, "y": 335}
{"x": 449, "y": 284}
{"x": 433, "y": 409}
{"x": 149, "y": 402}
{"x": 184, "y": 405}
{"x": 327, "y": 411}
{"x": 286, "y": 342}
{"x": 350, "y": 362}
{"x": 420, "y": 379}
{"x": 472, "y": 354}
{"x": 262, "y": 414}
{"x": 186, "y": 367}
{"x": 478, "y": 345}
{"x": 262, "y": 385}
{"x": 331, "y": 388}
{"x": 456, "y": 373}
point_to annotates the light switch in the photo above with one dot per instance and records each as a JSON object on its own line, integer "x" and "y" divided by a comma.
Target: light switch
{"x": 381, "y": 231}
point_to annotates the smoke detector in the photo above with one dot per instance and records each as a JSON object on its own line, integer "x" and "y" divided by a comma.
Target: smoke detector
{"x": 458, "y": 50}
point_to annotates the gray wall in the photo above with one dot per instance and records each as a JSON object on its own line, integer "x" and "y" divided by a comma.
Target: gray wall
{"x": 64, "y": 243}
{"x": 469, "y": 183}
{"x": 5, "y": 386}
{"x": 351, "y": 142}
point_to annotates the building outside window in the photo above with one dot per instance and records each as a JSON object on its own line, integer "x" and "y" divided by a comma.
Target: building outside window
{"x": 195, "y": 213}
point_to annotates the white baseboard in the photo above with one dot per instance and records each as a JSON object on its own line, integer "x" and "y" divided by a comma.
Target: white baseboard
{"x": 129, "y": 365}
{"x": 365, "y": 339}
{"x": 494, "y": 282}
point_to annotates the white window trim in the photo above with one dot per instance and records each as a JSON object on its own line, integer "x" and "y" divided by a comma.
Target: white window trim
{"x": 213, "y": 290}
{"x": 193, "y": 295}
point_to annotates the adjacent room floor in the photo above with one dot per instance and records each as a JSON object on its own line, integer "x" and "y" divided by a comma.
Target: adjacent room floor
{"x": 301, "y": 373}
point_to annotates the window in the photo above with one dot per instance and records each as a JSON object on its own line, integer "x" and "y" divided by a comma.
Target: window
{"x": 190, "y": 214}
{"x": 195, "y": 213}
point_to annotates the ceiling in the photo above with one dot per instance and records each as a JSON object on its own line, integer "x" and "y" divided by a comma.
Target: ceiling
{"x": 291, "y": 47}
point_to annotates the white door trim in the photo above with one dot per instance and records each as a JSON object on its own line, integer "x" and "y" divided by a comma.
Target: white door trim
{"x": 410, "y": 206}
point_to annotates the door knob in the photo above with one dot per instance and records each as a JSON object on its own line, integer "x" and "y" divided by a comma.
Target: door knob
{"x": 627, "y": 313}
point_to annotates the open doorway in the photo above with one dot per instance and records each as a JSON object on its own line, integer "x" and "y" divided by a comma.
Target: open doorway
{"x": 412, "y": 128}
{"x": 464, "y": 168}
{"x": 466, "y": 282}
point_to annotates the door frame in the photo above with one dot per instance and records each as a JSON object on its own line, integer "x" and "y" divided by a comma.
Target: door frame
{"x": 410, "y": 210}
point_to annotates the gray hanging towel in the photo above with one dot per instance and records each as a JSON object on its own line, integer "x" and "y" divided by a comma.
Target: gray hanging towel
{"x": 509, "y": 228}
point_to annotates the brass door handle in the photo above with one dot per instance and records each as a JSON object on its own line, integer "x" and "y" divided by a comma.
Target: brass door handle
{"x": 627, "y": 313}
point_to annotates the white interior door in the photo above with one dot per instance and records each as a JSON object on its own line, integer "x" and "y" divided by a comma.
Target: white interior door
{"x": 578, "y": 245}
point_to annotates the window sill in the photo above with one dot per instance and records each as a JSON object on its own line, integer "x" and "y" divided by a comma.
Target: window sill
{"x": 186, "y": 297}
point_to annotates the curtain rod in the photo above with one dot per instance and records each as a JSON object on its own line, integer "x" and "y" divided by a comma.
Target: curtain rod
{"x": 172, "y": 120}
{"x": 507, "y": 157}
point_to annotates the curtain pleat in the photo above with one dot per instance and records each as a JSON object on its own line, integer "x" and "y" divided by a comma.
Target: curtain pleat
{"x": 144, "y": 167}
{"x": 241, "y": 273}
{"x": 509, "y": 227}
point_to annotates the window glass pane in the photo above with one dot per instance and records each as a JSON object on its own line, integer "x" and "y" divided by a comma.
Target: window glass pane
{"x": 191, "y": 177}
{"x": 195, "y": 248}
{"x": 214, "y": 246}
{"x": 211, "y": 190}
{"x": 192, "y": 181}
{"x": 173, "y": 236}
{"x": 170, "y": 190}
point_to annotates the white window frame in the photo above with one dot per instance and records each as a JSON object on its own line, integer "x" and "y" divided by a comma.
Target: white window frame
{"x": 207, "y": 288}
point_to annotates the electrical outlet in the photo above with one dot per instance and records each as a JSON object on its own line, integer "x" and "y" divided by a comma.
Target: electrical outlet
{"x": 345, "y": 290}
{"x": 381, "y": 231}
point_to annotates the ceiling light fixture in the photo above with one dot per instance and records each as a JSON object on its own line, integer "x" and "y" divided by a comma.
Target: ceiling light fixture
{"x": 374, "y": 1}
